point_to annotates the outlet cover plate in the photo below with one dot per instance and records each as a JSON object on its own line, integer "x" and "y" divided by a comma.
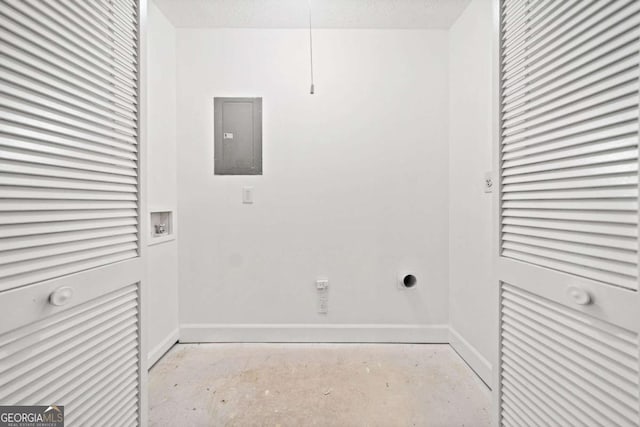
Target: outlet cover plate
{"x": 488, "y": 182}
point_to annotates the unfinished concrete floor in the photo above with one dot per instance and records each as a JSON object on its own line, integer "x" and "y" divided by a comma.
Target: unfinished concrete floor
{"x": 315, "y": 385}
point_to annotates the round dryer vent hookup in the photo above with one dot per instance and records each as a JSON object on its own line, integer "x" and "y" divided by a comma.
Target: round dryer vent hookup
{"x": 407, "y": 281}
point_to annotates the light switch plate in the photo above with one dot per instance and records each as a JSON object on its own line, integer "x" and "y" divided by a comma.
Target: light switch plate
{"x": 247, "y": 195}
{"x": 488, "y": 182}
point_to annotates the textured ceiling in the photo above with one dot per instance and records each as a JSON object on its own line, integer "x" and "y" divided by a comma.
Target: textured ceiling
{"x": 326, "y": 13}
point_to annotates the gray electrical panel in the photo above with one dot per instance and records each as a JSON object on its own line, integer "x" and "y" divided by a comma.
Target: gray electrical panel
{"x": 238, "y": 136}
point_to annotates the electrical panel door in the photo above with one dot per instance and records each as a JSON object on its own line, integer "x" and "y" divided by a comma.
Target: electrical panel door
{"x": 238, "y": 136}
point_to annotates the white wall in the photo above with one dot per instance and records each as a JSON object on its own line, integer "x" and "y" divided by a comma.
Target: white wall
{"x": 354, "y": 186}
{"x": 473, "y": 294}
{"x": 162, "y": 295}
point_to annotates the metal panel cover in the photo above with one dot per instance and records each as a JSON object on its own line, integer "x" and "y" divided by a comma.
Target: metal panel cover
{"x": 238, "y": 136}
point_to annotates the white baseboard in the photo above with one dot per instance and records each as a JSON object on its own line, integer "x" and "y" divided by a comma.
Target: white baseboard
{"x": 159, "y": 350}
{"x": 359, "y": 333}
{"x": 469, "y": 354}
{"x": 339, "y": 333}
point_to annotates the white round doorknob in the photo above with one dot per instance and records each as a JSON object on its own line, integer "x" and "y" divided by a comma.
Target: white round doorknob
{"x": 579, "y": 295}
{"x": 61, "y": 296}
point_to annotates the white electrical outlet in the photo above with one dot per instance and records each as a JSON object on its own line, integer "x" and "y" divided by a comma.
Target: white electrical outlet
{"x": 488, "y": 182}
{"x": 322, "y": 287}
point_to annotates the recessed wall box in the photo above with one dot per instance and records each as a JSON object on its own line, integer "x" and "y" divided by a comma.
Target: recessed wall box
{"x": 162, "y": 226}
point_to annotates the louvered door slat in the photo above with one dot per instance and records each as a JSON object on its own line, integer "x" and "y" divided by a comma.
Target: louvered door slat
{"x": 623, "y": 180}
{"x": 113, "y": 347}
{"x": 570, "y": 138}
{"x": 589, "y": 393}
{"x": 94, "y": 122}
{"x": 43, "y": 242}
{"x": 32, "y": 25}
{"x": 627, "y": 169}
{"x": 65, "y": 63}
{"x": 18, "y": 222}
{"x": 617, "y": 118}
{"x": 524, "y": 16}
{"x": 619, "y": 73}
{"x": 120, "y": 28}
{"x": 523, "y": 78}
{"x": 581, "y": 249}
{"x": 599, "y": 351}
{"x": 597, "y": 371}
{"x": 25, "y": 267}
{"x": 106, "y": 371}
{"x": 574, "y": 409}
{"x": 588, "y": 228}
{"x": 13, "y": 120}
{"x": 106, "y": 156}
{"x": 22, "y": 180}
{"x": 85, "y": 351}
{"x": 616, "y": 145}
{"x": 573, "y": 194}
{"x": 101, "y": 23}
{"x": 31, "y": 253}
{"x": 45, "y": 230}
{"x": 16, "y": 55}
{"x": 70, "y": 194}
{"x": 37, "y": 84}
{"x": 543, "y": 118}
{"x": 92, "y": 41}
{"x": 520, "y": 395}
{"x": 121, "y": 405}
{"x": 68, "y": 138}
{"x": 591, "y": 61}
{"x": 117, "y": 378}
{"x": 518, "y": 413}
{"x": 44, "y": 170}
{"x": 539, "y": 34}
{"x": 605, "y": 389}
{"x": 121, "y": 10}
{"x": 63, "y": 120}
{"x": 573, "y": 217}
{"x": 47, "y": 205}
{"x": 626, "y": 104}
{"x": 573, "y": 39}
{"x": 518, "y": 232}
{"x": 31, "y": 157}
{"x": 15, "y": 68}
{"x": 61, "y": 41}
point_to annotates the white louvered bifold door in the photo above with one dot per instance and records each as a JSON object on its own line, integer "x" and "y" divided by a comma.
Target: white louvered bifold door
{"x": 68, "y": 137}
{"x": 70, "y": 261}
{"x": 568, "y": 204}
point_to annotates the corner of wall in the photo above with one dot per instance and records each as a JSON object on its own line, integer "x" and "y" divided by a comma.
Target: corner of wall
{"x": 473, "y": 358}
{"x": 162, "y": 347}
{"x": 162, "y": 317}
{"x": 470, "y": 210}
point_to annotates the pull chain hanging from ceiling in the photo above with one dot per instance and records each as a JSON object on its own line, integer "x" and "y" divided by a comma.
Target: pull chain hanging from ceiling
{"x": 311, "y": 50}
